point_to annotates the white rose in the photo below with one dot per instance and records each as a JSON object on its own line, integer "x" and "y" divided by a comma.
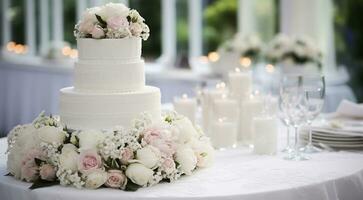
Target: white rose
{"x": 95, "y": 179}
{"x": 25, "y": 139}
{"x": 68, "y": 158}
{"x": 50, "y": 134}
{"x": 89, "y": 139}
{"x": 185, "y": 156}
{"x": 186, "y": 130}
{"x": 149, "y": 156}
{"x": 139, "y": 174}
{"x": 204, "y": 151}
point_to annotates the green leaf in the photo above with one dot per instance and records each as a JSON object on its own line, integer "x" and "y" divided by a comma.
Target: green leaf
{"x": 42, "y": 183}
{"x": 38, "y": 162}
{"x": 8, "y": 174}
{"x": 131, "y": 186}
{"x": 101, "y": 21}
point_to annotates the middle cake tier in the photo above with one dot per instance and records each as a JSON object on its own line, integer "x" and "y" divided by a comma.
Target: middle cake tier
{"x": 101, "y": 111}
{"x": 109, "y": 76}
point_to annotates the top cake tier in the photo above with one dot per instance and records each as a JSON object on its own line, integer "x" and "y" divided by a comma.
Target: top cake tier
{"x": 109, "y": 65}
{"x": 125, "y": 49}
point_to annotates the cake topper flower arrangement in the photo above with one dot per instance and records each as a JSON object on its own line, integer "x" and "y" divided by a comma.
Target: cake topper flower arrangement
{"x": 113, "y": 20}
{"x": 45, "y": 153}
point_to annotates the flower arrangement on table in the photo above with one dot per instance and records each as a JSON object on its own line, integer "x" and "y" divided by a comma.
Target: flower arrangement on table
{"x": 113, "y": 20}
{"x": 46, "y": 153}
{"x": 293, "y": 51}
{"x": 248, "y": 46}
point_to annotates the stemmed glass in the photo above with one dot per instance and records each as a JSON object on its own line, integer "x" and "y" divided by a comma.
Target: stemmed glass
{"x": 314, "y": 90}
{"x": 285, "y": 120}
{"x": 293, "y": 105}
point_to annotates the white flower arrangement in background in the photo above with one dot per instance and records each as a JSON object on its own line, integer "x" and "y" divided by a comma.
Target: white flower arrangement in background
{"x": 46, "y": 153}
{"x": 113, "y": 20}
{"x": 293, "y": 50}
{"x": 248, "y": 46}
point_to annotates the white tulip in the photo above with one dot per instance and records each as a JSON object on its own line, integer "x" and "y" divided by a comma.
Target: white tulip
{"x": 139, "y": 174}
{"x": 148, "y": 156}
{"x": 185, "y": 156}
{"x": 95, "y": 179}
{"x": 89, "y": 139}
{"x": 50, "y": 134}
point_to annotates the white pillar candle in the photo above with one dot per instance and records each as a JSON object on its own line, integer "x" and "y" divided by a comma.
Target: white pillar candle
{"x": 209, "y": 96}
{"x": 186, "y": 106}
{"x": 250, "y": 108}
{"x": 223, "y": 133}
{"x": 265, "y": 131}
{"x": 225, "y": 108}
{"x": 240, "y": 82}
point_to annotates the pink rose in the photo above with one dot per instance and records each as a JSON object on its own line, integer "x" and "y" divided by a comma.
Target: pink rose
{"x": 116, "y": 179}
{"x": 89, "y": 160}
{"x": 97, "y": 32}
{"x": 159, "y": 139}
{"x": 47, "y": 172}
{"x": 152, "y": 134}
{"x": 136, "y": 29}
{"x": 117, "y": 22}
{"x": 29, "y": 172}
{"x": 126, "y": 154}
{"x": 168, "y": 165}
{"x": 29, "y": 157}
{"x": 86, "y": 26}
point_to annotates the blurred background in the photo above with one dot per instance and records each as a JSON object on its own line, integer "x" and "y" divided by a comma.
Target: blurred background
{"x": 39, "y": 49}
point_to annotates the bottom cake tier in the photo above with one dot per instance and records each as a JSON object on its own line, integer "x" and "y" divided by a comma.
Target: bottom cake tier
{"x": 100, "y": 111}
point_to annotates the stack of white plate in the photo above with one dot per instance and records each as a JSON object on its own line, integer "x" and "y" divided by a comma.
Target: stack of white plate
{"x": 337, "y": 134}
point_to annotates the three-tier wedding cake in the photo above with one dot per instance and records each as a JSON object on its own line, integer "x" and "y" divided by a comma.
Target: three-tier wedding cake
{"x": 111, "y": 132}
{"x": 109, "y": 85}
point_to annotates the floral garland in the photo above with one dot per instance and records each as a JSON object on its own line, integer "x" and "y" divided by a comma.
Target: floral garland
{"x": 113, "y": 20}
{"x": 292, "y": 50}
{"x": 46, "y": 153}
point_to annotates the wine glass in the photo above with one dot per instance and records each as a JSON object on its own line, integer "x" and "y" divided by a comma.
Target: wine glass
{"x": 285, "y": 120}
{"x": 314, "y": 89}
{"x": 292, "y": 100}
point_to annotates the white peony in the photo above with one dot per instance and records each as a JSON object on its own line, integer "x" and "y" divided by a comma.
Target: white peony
{"x": 50, "y": 134}
{"x": 95, "y": 179}
{"x": 185, "y": 130}
{"x": 148, "y": 156}
{"x": 21, "y": 139}
{"x": 139, "y": 174}
{"x": 187, "y": 159}
{"x": 112, "y": 10}
{"x": 68, "y": 158}
{"x": 89, "y": 139}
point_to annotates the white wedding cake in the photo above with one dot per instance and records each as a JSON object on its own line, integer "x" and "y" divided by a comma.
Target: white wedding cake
{"x": 109, "y": 86}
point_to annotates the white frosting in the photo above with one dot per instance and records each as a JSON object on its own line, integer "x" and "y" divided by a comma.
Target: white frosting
{"x": 128, "y": 49}
{"x": 109, "y": 76}
{"x": 98, "y": 111}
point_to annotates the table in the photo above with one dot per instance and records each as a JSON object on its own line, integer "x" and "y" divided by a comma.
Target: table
{"x": 236, "y": 174}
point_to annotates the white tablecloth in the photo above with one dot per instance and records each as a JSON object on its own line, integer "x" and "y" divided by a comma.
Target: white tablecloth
{"x": 237, "y": 174}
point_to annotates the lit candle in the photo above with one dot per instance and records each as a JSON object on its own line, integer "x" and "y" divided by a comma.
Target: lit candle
{"x": 250, "y": 108}
{"x": 224, "y": 133}
{"x": 265, "y": 131}
{"x": 240, "y": 83}
{"x": 186, "y": 106}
